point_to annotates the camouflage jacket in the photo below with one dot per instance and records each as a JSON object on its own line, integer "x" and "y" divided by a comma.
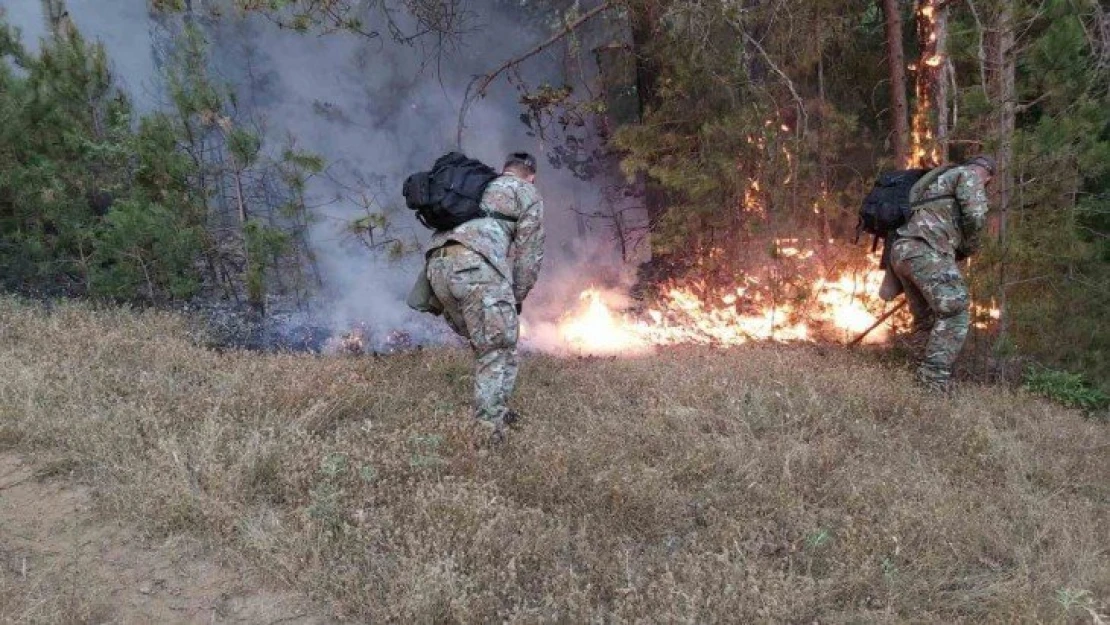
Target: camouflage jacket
{"x": 950, "y": 223}
{"x": 515, "y": 249}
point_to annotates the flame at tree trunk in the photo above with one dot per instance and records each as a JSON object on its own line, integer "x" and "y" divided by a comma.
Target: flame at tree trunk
{"x": 930, "y": 119}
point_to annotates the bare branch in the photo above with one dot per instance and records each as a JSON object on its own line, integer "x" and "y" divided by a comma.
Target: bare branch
{"x": 775, "y": 68}
{"x": 477, "y": 87}
{"x": 982, "y": 52}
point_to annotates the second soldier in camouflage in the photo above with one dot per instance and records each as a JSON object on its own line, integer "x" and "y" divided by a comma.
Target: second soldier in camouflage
{"x": 949, "y": 212}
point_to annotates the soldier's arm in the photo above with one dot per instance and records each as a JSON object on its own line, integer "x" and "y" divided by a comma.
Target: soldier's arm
{"x": 527, "y": 244}
{"x": 972, "y": 197}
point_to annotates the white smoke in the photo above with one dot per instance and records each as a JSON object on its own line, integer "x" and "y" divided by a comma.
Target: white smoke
{"x": 376, "y": 110}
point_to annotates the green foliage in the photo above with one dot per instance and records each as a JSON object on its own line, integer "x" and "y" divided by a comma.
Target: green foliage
{"x": 1070, "y": 389}
{"x": 87, "y": 205}
{"x": 741, "y": 148}
{"x": 264, "y": 244}
{"x": 234, "y": 182}
{"x": 244, "y": 146}
{"x": 144, "y": 248}
{"x": 96, "y": 202}
{"x": 1053, "y": 263}
{"x": 310, "y": 163}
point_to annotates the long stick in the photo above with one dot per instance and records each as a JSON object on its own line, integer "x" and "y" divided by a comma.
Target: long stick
{"x": 878, "y": 323}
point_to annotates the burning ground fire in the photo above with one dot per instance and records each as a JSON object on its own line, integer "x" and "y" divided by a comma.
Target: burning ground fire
{"x": 596, "y": 326}
{"x": 604, "y": 321}
{"x": 842, "y": 309}
{"x": 836, "y": 310}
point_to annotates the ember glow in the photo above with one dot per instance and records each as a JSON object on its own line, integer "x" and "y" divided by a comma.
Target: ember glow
{"x": 984, "y": 316}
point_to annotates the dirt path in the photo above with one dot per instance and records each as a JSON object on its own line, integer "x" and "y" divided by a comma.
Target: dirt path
{"x": 60, "y": 563}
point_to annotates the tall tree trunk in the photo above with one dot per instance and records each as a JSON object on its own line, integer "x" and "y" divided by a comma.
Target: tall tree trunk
{"x": 896, "y": 61}
{"x": 821, "y": 206}
{"x": 1004, "y": 96}
{"x": 256, "y": 293}
{"x": 644, "y": 27}
{"x": 930, "y": 117}
{"x": 941, "y": 81}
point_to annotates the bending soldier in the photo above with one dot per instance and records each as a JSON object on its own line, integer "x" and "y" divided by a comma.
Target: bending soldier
{"x": 949, "y": 212}
{"x": 481, "y": 272}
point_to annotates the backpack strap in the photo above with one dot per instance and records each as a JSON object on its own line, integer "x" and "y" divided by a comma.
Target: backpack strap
{"x": 927, "y": 180}
{"x": 502, "y": 216}
{"x": 920, "y": 203}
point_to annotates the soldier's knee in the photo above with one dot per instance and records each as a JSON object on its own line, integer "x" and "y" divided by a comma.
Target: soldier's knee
{"x": 952, "y": 304}
{"x": 498, "y": 328}
{"x": 949, "y": 294}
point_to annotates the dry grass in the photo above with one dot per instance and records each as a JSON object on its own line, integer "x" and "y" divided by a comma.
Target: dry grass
{"x": 759, "y": 484}
{"x": 58, "y": 594}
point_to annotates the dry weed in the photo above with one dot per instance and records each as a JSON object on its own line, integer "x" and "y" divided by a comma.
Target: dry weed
{"x": 758, "y": 484}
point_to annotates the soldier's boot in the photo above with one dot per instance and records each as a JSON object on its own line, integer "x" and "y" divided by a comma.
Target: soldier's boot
{"x": 493, "y": 432}
{"x": 511, "y": 417}
{"x": 934, "y": 381}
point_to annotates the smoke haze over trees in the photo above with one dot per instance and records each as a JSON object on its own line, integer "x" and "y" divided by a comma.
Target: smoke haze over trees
{"x": 255, "y": 150}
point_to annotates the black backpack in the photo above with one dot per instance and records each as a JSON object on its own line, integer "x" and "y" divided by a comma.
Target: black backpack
{"x": 451, "y": 193}
{"x": 887, "y": 207}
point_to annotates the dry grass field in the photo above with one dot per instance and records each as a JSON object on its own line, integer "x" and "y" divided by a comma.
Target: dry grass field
{"x": 761, "y": 484}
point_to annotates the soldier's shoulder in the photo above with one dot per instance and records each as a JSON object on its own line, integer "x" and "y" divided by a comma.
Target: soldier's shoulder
{"x": 949, "y": 178}
{"x": 961, "y": 172}
{"x": 953, "y": 171}
{"x": 504, "y": 180}
{"x": 511, "y": 181}
{"x": 523, "y": 189}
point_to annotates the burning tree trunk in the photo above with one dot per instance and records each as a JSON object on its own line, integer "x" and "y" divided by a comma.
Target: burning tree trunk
{"x": 930, "y": 118}
{"x": 896, "y": 60}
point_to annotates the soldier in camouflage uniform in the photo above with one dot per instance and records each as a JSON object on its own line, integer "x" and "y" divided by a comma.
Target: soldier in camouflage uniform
{"x": 481, "y": 271}
{"x": 949, "y": 211}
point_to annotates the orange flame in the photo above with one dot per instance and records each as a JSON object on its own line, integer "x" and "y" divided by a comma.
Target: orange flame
{"x": 983, "y": 316}
{"x": 594, "y": 325}
{"x": 840, "y": 308}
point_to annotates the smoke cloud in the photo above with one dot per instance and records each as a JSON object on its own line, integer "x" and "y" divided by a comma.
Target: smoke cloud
{"x": 377, "y": 111}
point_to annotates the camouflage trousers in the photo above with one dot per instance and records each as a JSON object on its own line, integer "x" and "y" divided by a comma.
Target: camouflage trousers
{"x": 939, "y": 301}
{"x": 478, "y": 304}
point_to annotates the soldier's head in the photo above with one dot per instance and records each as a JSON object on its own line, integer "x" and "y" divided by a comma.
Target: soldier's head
{"x": 521, "y": 165}
{"x": 984, "y": 166}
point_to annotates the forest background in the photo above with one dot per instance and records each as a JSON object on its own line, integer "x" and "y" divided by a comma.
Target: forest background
{"x": 726, "y": 125}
